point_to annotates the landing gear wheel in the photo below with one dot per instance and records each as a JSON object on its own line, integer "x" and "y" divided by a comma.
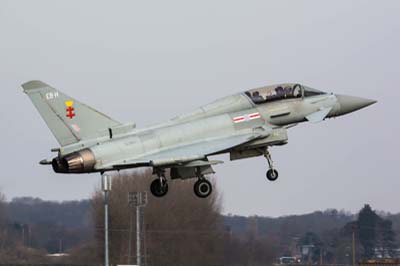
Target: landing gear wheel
{"x": 202, "y": 188}
{"x": 159, "y": 188}
{"x": 272, "y": 175}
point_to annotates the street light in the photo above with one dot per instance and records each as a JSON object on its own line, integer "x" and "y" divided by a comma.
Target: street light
{"x": 138, "y": 200}
{"x": 106, "y": 187}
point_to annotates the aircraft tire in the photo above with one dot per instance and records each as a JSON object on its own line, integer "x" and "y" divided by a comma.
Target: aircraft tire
{"x": 272, "y": 175}
{"x": 157, "y": 189}
{"x": 202, "y": 188}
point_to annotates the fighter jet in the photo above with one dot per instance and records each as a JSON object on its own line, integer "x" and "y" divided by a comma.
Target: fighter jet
{"x": 244, "y": 125}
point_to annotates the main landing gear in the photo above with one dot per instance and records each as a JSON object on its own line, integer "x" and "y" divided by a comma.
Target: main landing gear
{"x": 272, "y": 173}
{"x": 202, "y": 188}
{"x": 159, "y": 187}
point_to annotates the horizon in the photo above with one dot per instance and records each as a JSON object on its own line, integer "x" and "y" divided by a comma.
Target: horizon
{"x": 339, "y": 210}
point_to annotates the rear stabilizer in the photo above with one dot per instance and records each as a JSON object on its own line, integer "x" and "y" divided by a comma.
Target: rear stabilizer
{"x": 68, "y": 119}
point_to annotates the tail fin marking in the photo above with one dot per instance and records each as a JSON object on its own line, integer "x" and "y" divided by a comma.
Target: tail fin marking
{"x": 68, "y": 119}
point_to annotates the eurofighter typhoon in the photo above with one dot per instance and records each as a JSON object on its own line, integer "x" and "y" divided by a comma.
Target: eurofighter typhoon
{"x": 244, "y": 125}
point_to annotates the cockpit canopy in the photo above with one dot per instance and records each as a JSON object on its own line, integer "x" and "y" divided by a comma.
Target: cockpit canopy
{"x": 281, "y": 92}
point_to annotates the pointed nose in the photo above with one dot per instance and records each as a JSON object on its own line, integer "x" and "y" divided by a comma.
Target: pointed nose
{"x": 350, "y": 104}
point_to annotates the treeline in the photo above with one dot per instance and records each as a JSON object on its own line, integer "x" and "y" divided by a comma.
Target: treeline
{"x": 182, "y": 229}
{"x": 30, "y": 228}
{"x": 328, "y": 233}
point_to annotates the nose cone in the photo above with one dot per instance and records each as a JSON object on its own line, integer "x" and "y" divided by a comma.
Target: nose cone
{"x": 350, "y": 104}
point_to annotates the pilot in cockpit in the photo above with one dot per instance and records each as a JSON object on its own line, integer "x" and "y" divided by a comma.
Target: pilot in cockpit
{"x": 257, "y": 97}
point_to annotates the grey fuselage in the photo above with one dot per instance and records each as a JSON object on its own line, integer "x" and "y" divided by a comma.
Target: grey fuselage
{"x": 230, "y": 115}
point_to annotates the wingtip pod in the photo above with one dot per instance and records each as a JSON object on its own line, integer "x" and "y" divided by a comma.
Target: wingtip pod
{"x": 33, "y": 84}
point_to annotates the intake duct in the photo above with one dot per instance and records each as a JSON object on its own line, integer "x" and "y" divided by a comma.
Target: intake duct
{"x": 82, "y": 161}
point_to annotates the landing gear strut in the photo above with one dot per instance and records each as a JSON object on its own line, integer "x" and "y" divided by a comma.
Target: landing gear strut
{"x": 272, "y": 173}
{"x": 159, "y": 187}
{"x": 202, "y": 188}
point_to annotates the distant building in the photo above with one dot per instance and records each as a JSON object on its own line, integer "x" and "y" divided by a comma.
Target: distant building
{"x": 57, "y": 255}
{"x": 286, "y": 261}
{"x": 380, "y": 262}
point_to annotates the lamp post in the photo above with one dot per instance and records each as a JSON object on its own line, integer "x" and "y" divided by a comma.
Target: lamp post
{"x": 353, "y": 245}
{"x": 106, "y": 187}
{"x": 138, "y": 200}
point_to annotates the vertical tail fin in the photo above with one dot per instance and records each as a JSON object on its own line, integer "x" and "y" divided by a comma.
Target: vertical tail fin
{"x": 68, "y": 119}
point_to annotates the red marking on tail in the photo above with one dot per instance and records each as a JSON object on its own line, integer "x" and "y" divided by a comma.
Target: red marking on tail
{"x": 70, "y": 112}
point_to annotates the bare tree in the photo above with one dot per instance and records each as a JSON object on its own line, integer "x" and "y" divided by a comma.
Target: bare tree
{"x": 3, "y": 229}
{"x": 2, "y": 208}
{"x": 181, "y": 229}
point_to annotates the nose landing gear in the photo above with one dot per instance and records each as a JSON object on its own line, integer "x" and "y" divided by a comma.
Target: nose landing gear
{"x": 272, "y": 173}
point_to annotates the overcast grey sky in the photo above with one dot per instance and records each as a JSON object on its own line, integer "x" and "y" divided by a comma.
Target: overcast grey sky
{"x": 147, "y": 61}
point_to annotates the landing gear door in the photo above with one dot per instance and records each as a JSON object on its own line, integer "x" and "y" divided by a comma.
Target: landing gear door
{"x": 191, "y": 172}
